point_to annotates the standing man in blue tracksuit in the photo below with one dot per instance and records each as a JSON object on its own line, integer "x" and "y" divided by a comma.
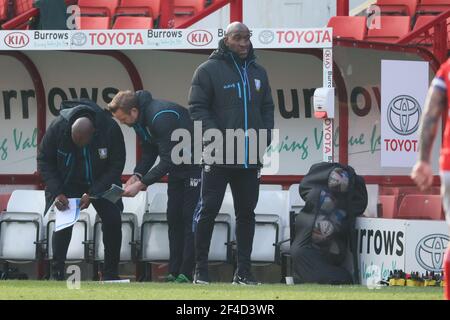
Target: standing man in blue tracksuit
{"x": 154, "y": 121}
{"x": 231, "y": 91}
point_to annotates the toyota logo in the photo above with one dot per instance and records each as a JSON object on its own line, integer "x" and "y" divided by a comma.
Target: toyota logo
{"x": 79, "y": 39}
{"x": 430, "y": 251}
{"x": 403, "y": 115}
{"x": 266, "y": 36}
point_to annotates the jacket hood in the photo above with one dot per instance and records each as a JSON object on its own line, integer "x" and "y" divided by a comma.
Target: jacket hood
{"x": 223, "y": 52}
{"x": 73, "y": 109}
{"x": 144, "y": 98}
{"x": 317, "y": 180}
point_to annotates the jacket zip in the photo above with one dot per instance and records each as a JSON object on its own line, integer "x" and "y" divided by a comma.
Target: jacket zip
{"x": 141, "y": 132}
{"x": 245, "y": 84}
{"x": 87, "y": 165}
{"x": 68, "y": 163}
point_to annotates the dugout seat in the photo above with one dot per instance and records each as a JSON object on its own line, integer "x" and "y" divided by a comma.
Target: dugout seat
{"x": 3, "y": 10}
{"x": 133, "y": 23}
{"x": 143, "y": 8}
{"x": 103, "y": 8}
{"x": 433, "y": 6}
{"x": 21, "y": 6}
{"x": 21, "y": 227}
{"x": 154, "y": 230}
{"x": 398, "y": 7}
{"x": 154, "y": 237}
{"x": 392, "y": 29}
{"x": 92, "y": 23}
{"x": 420, "y": 206}
{"x": 348, "y": 27}
{"x": 272, "y": 226}
{"x": 388, "y": 205}
{"x": 186, "y": 9}
{"x": 82, "y": 235}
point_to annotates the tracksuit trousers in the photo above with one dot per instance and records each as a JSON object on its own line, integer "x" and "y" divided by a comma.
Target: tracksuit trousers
{"x": 244, "y": 185}
{"x": 183, "y": 191}
{"x": 110, "y": 215}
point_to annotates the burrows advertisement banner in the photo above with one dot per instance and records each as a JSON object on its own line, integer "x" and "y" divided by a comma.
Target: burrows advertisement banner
{"x": 381, "y": 247}
{"x": 158, "y": 39}
{"x": 404, "y": 85}
{"x": 385, "y": 245}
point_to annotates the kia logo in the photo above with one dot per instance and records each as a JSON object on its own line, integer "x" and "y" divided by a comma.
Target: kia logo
{"x": 16, "y": 40}
{"x": 403, "y": 115}
{"x": 266, "y": 36}
{"x": 327, "y": 59}
{"x": 200, "y": 38}
{"x": 430, "y": 251}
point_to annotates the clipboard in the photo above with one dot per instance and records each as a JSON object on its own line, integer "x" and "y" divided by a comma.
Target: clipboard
{"x": 113, "y": 194}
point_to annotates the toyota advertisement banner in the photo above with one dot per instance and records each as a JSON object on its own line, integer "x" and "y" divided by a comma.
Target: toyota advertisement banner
{"x": 426, "y": 244}
{"x": 404, "y": 86}
{"x": 158, "y": 39}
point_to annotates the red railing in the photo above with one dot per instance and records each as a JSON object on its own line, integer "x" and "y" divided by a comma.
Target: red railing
{"x": 438, "y": 39}
{"x": 236, "y": 12}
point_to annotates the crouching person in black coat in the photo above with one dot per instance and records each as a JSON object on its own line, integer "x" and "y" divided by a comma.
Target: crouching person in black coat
{"x": 334, "y": 196}
{"x": 81, "y": 155}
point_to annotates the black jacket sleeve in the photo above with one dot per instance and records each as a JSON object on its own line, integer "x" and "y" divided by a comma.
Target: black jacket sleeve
{"x": 201, "y": 97}
{"x": 149, "y": 155}
{"x": 47, "y": 161}
{"x": 116, "y": 161}
{"x": 163, "y": 127}
{"x": 268, "y": 106}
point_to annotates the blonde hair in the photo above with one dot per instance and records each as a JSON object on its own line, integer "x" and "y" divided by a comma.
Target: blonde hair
{"x": 124, "y": 100}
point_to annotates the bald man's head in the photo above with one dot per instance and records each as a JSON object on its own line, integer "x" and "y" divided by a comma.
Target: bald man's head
{"x": 82, "y": 131}
{"x": 237, "y": 39}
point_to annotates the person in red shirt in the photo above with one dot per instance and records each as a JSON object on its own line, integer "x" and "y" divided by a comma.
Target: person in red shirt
{"x": 436, "y": 104}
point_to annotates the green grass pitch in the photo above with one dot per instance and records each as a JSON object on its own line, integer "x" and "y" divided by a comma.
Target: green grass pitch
{"x": 51, "y": 290}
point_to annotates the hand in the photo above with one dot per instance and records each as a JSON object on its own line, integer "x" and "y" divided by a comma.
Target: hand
{"x": 422, "y": 174}
{"x": 61, "y": 202}
{"x": 84, "y": 201}
{"x": 133, "y": 179}
{"x": 133, "y": 189}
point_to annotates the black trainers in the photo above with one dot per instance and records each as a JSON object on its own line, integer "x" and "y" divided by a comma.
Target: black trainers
{"x": 201, "y": 277}
{"x": 58, "y": 276}
{"x": 246, "y": 279}
{"x": 110, "y": 277}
